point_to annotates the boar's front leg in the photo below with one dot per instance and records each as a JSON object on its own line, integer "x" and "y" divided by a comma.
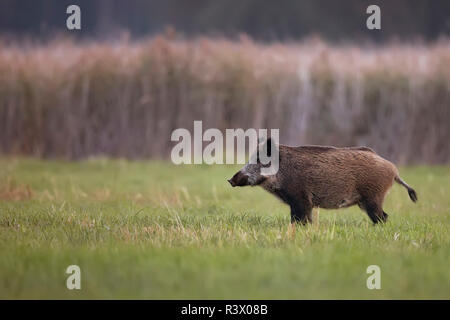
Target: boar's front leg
{"x": 301, "y": 212}
{"x": 301, "y": 205}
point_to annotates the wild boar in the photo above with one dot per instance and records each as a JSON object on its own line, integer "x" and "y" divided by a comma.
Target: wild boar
{"x": 326, "y": 177}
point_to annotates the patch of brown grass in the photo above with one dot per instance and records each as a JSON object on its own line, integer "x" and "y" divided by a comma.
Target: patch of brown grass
{"x": 13, "y": 191}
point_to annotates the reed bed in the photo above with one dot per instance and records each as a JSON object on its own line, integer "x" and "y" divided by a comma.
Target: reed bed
{"x": 124, "y": 99}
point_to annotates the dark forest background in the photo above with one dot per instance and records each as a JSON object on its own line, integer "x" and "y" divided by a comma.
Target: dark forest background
{"x": 263, "y": 20}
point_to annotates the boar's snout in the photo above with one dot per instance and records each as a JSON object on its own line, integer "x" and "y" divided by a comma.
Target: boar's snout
{"x": 239, "y": 180}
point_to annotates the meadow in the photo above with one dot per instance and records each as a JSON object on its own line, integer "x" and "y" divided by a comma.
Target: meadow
{"x": 152, "y": 230}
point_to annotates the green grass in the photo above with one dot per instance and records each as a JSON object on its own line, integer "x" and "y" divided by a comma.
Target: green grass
{"x": 156, "y": 231}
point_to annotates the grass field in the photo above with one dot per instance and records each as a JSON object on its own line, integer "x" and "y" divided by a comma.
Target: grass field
{"x": 152, "y": 230}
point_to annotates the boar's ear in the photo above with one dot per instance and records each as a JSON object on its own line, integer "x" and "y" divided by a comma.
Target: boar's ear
{"x": 269, "y": 145}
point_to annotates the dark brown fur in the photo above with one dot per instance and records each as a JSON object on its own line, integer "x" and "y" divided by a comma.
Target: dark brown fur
{"x": 330, "y": 178}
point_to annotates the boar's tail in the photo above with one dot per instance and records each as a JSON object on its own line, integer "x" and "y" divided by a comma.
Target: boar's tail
{"x": 412, "y": 193}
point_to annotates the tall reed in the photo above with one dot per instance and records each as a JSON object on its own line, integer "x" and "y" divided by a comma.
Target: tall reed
{"x": 124, "y": 99}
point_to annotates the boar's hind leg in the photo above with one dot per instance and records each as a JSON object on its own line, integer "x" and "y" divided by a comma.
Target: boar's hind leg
{"x": 374, "y": 211}
{"x": 301, "y": 213}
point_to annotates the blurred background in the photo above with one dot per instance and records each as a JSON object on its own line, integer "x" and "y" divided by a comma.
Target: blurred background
{"x": 137, "y": 70}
